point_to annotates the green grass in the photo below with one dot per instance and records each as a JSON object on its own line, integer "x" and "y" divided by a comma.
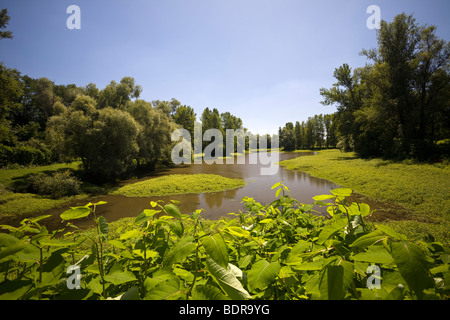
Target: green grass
{"x": 8, "y": 176}
{"x": 22, "y": 205}
{"x": 179, "y": 184}
{"x": 422, "y": 189}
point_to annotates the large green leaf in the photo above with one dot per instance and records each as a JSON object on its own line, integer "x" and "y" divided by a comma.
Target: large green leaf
{"x": 179, "y": 251}
{"x": 14, "y": 290}
{"x": 413, "y": 266}
{"x": 369, "y": 239}
{"x": 263, "y": 273}
{"x": 76, "y": 213}
{"x": 207, "y": 292}
{"x": 53, "y": 269}
{"x": 331, "y": 229}
{"x": 166, "y": 290}
{"x": 118, "y": 277}
{"x": 227, "y": 280}
{"x": 374, "y": 254}
{"x": 173, "y": 210}
{"x": 335, "y": 280}
{"x": 7, "y": 240}
{"x": 216, "y": 248}
{"x": 342, "y": 192}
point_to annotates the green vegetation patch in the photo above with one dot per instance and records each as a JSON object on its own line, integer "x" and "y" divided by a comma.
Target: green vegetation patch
{"x": 179, "y": 184}
{"x": 422, "y": 187}
{"x": 279, "y": 251}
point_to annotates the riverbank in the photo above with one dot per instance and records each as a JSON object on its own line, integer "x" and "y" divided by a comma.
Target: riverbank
{"x": 419, "y": 193}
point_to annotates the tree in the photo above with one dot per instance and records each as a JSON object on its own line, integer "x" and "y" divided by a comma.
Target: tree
{"x": 287, "y": 137}
{"x": 394, "y": 106}
{"x": 11, "y": 90}
{"x": 211, "y": 120}
{"x": 116, "y": 95}
{"x": 4, "y": 20}
{"x": 298, "y": 135}
{"x": 45, "y": 98}
{"x": 155, "y": 129}
{"x": 346, "y": 94}
{"x": 185, "y": 117}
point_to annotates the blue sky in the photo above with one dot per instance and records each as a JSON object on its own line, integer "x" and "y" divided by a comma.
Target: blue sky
{"x": 262, "y": 60}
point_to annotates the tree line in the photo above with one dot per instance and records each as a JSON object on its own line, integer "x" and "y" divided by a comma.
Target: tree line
{"x": 398, "y": 105}
{"x": 112, "y": 131}
{"x": 318, "y": 131}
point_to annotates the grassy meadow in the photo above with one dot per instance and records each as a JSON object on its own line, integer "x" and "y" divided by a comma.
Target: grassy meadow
{"x": 420, "y": 190}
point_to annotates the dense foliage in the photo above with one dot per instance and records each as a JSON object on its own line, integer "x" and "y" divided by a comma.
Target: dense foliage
{"x": 317, "y": 132}
{"x": 397, "y": 106}
{"x": 277, "y": 251}
{"x": 111, "y": 130}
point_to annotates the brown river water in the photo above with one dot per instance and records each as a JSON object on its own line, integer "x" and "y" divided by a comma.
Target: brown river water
{"x": 302, "y": 187}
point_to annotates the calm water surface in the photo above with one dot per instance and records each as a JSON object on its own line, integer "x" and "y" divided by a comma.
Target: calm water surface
{"x": 301, "y": 185}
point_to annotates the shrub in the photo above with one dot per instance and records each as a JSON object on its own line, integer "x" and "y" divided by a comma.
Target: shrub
{"x": 58, "y": 185}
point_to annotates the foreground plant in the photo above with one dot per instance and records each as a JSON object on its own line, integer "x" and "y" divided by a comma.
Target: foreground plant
{"x": 283, "y": 250}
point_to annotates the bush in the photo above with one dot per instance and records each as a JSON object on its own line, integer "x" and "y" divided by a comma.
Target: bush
{"x": 58, "y": 185}
{"x": 22, "y": 155}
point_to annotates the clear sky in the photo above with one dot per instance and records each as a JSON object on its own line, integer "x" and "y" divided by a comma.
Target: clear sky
{"x": 262, "y": 60}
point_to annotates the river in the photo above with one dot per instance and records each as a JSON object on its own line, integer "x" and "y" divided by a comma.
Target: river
{"x": 302, "y": 187}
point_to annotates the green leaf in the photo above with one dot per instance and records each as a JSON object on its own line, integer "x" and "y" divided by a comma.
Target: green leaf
{"x": 323, "y": 197}
{"x": 331, "y": 229}
{"x": 368, "y": 239}
{"x": 75, "y": 213}
{"x": 391, "y": 232}
{"x": 335, "y": 280}
{"x": 237, "y": 231}
{"x": 53, "y": 269}
{"x": 207, "y": 292}
{"x": 166, "y": 290}
{"x": 216, "y": 248}
{"x": 118, "y": 244}
{"x": 103, "y": 225}
{"x": 28, "y": 253}
{"x": 342, "y": 192}
{"x": 134, "y": 233}
{"x": 177, "y": 228}
{"x": 179, "y": 251}
{"x": 7, "y": 240}
{"x": 145, "y": 215}
{"x": 297, "y": 250}
{"x": 14, "y": 290}
{"x": 275, "y": 185}
{"x": 263, "y": 273}
{"x": 118, "y": 277}
{"x": 227, "y": 280}
{"x": 365, "y": 209}
{"x": 374, "y": 254}
{"x": 277, "y": 193}
{"x": 173, "y": 210}
{"x": 413, "y": 266}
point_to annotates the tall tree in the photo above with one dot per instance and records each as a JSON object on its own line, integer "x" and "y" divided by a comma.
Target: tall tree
{"x": 185, "y": 117}
{"x": 116, "y": 95}
{"x": 4, "y": 20}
